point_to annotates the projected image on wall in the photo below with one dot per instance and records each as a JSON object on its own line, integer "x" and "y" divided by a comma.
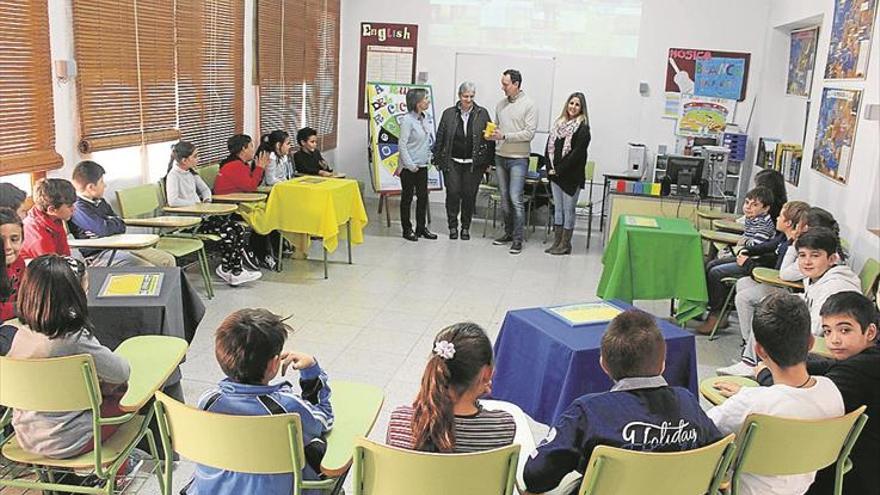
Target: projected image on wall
{"x": 589, "y": 27}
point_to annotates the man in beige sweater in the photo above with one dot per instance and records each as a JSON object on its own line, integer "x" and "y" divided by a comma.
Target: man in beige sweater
{"x": 517, "y": 120}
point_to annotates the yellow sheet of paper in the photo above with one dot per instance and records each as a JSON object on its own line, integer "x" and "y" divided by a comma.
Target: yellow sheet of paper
{"x": 132, "y": 284}
{"x": 641, "y": 221}
{"x": 580, "y": 314}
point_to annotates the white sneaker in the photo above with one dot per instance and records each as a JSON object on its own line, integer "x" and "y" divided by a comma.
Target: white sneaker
{"x": 738, "y": 369}
{"x": 236, "y": 280}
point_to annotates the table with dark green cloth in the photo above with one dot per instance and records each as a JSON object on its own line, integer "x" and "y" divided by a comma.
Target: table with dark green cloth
{"x": 663, "y": 262}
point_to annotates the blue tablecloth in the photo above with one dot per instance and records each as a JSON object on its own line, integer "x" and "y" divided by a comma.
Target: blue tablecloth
{"x": 542, "y": 364}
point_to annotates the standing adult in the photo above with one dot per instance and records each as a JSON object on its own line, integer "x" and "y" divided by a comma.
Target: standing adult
{"x": 463, "y": 155}
{"x": 517, "y": 120}
{"x": 567, "y": 155}
{"x": 414, "y": 145}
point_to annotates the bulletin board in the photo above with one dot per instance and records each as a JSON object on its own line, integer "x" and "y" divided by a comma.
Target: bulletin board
{"x": 388, "y": 54}
{"x": 709, "y": 73}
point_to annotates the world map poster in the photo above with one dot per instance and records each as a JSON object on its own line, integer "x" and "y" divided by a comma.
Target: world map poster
{"x": 836, "y": 132}
{"x": 850, "y": 46}
{"x": 801, "y": 61}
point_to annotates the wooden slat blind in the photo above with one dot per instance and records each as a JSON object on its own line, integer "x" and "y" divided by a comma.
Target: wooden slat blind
{"x": 280, "y": 39}
{"x": 210, "y": 39}
{"x": 27, "y": 120}
{"x": 322, "y": 69}
{"x": 126, "y": 77}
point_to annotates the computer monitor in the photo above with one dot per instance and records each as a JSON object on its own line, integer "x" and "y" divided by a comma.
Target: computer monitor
{"x": 683, "y": 172}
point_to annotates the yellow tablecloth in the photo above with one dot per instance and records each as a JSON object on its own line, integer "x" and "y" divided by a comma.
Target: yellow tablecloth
{"x": 311, "y": 205}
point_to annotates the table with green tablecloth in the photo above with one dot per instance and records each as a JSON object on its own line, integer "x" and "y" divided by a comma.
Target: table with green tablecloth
{"x": 655, "y": 262}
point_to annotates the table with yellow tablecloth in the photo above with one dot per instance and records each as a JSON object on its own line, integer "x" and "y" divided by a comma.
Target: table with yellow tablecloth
{"x": 316, "y": 206}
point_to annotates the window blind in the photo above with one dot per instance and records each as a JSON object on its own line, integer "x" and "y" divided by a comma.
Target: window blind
{"x": 210, "y": 39}
{"x": 126, "y": 85}
{"x": 322, "y": 69}
{"x": 27, "y": 120}
{"x": 281, "y": 34}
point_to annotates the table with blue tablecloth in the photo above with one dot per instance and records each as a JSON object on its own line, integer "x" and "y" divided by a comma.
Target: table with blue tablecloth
{"x": 542, "y": 364}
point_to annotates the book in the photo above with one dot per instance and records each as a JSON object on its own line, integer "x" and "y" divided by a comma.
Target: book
{"x": 312, "y": 180}
{"x": 648, "y": 222}
{"x": 132, "y": 285}
{"x": 584, "y": 313}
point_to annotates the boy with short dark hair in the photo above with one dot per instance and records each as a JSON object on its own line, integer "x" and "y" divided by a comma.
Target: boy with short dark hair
{"x": 824, "y": 273}
{"x": 308, "y": 159}
{"x": 94, "y": 217}
{"x": 782, "y": 333}
{"x": 249, "y": 347}
{"x": 44, "y": 231}
{"x": 641, "y": 412}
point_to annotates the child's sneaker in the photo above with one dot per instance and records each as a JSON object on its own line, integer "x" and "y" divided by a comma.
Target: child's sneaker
{"x": 130, "y": 468}
{"x": 738, "y": 369}
{"x": 249, "y": 259}
{"x": 236, "y": 279}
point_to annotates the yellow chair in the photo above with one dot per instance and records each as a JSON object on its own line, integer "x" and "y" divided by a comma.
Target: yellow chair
{"x": 776, "y": 446}
{"x": 69, "y": 384}
{"x": 869, "y": 275}
{"x": 209, "y": 173}
{"x": 614, "y": 471}
{"x": 266, "y": 444}
{"x": 380, "y": 470}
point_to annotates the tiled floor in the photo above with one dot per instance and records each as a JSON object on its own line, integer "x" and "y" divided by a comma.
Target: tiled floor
{"x": 374, "y": 321}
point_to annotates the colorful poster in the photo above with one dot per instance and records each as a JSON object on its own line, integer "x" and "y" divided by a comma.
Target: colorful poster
{"x": 850, "y": 39}
{"x": 707, "y": 73}
{"x": 388, "y": 53}
{"x": 671, "y": 105}
{"x": 701, "y": 116}
{"x": 387, "y": 105}
{"x": 836, "y": 132}
{"x": 801, "y": 61}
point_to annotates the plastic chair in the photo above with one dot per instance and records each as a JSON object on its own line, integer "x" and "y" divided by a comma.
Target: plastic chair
{"x": 776, "y": 446}
{"x": 731, "y": 282}
{"x": 613, "y": 471}
{"x": 708, "y": 391}
{"x": 589, "y": 174}
{"x": 380, "y": 469}
{"x": 67, "y": 384}
{"x": 267, "y": 444}
{"x": 209, "y": 174}
{"x": 143, "y": 201}
{"x": 869, "y": 275}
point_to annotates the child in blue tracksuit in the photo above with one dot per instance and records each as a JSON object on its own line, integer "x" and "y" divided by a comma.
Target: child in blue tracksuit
{"x": 248, "y": 346}
{"x": 641, "y": 412}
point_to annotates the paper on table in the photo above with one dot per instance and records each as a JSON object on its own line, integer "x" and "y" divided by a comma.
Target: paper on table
{"x": 131, "y": 285}
{"x": 641, "y": 221}
{"x": 585, "y": 313}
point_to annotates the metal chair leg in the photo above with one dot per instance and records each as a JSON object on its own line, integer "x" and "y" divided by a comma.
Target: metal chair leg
{"x": 723, "y": 310}
{"x": 589, "y": 224}
{"x": 205, "y": 268}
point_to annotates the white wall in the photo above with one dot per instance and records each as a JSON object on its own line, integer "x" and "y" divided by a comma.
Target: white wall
{"x": 778, "y": 115}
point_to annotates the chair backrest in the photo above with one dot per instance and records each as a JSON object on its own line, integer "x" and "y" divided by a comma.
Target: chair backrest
{"x": 137, "y": 202}
{"x": 535, "y": 160}
{"x": 249, "y": 444}
{"x": 380, "y": 469}
{"x": 590, "y": 170}
{"x": 209, "y": 173}
{"x": 612, "y": 471}
{"x": 66, "y": 383}
{"x": 868, "y": 275}
{"x": 777, "y": 446}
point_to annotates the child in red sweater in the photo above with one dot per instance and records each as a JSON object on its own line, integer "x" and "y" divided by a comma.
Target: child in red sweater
{"x": 44, "y": 231}
{"x": 240, "y": 172}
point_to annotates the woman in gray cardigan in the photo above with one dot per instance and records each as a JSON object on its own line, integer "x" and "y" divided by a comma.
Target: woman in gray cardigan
{"x": 463, "y": 155}
{"x": 414, "y": 145}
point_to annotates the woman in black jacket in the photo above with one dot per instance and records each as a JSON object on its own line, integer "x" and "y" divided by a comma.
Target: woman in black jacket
{"x": 463, "y": 155}
{"x": 566, "y": 157}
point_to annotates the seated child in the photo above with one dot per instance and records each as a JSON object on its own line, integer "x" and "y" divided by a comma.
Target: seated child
{"x": 94, "y": 217}
{"x": 782, "y": 334}
{"x": 240, "y": 172}
{"x": 249, "y": 347}
{"x": 641, "y": 412}
{"x": 11, "y": 232}
{"x": 849, "y": 323}
{"x": 279, "y": 168}
{"x": 184, "y": 188}
{"x": 308, "y": 159}
{"x": 824, "y": 275}
{"x": 446, "y": 415}
{"x": 52, "y": 306}
{"x": 44, "y": 231}
{"x": 759, "y": 228}
{"x": 14, "y": 198}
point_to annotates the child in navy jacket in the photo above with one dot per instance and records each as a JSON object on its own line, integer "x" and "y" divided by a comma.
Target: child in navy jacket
{"x": 249, "y": 347}
{"x": 641, "y": 412}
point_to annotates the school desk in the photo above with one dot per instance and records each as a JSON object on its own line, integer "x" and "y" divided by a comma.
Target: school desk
{"x": 662, "y": 262}
{"x": 542, "y": 364}
{"x": 123, "y": 242}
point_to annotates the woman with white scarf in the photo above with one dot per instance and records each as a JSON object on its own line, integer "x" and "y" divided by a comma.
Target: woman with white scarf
{"x": 566, "y": 158}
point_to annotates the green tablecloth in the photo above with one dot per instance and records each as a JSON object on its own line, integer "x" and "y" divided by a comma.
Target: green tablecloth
{"x": 663, "y": 262}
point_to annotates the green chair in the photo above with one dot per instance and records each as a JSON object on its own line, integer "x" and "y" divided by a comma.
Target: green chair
{"x": 380, "y": 470}
{"x": 869, "y": 275}
{"x": 614, "y": 471}
{"x": 730, "y": 282}
{"x": 711, "y": 394}
{"x": 143, "y": 202}
{"x": 589, "y": 174}
{"x": 68, "y": 383}
{"x": 209, "y": 173}
{"x": 267, "y": 444}
{"x": 777, "y": 446}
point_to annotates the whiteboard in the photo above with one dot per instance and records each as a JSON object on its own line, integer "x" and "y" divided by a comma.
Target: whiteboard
{"x": 485, "y": 69}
